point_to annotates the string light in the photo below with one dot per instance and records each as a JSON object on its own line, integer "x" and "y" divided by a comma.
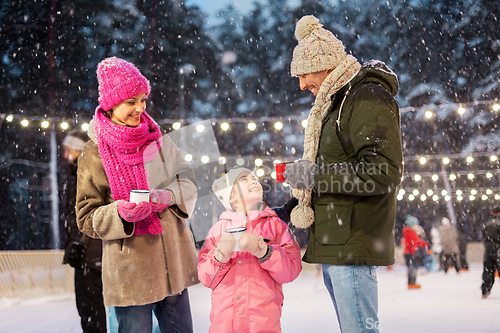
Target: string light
{"x": 176, "y": 125}
{"x": 25, "y": 122}
{"x": 278, "y": 125}
{"x": 45, "y": 124}
{"x": 429, "y": 114}
{"x": 200, "y": 128}
{"x": 496, "y": 107}
{"x": 252, "y": 126}
{"x": 205, "y": 159}
{"x": 461, "y": 110}
{"x": 85, "y": 127}
{"x": 423, "y": 160}
{"x": 224, "y": 126}
{"x": 469, "y": 159}
{"x": 64, "y": 125}
{"x": 222, "y": 160}
{"x": 258, "y": 162}
{"x": 446, "y": 160}
{"x": 188, "y": 157}
{"x": 9, "y": 118}
{"x": 493, "y": 158}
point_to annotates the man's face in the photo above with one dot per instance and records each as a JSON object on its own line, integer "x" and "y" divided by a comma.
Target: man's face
{"x": 313, "y": 81}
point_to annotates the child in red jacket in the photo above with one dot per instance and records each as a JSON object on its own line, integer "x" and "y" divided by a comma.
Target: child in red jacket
{"x": 412, "y": 242}
{"x": 246, "y": 277}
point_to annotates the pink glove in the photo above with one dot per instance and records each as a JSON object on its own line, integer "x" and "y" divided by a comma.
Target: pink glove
{"x": 160, "y": 200}
{"x": 225, "y": 247}
{"x": 255, "y": 245}
{"x": 133, "y": 212}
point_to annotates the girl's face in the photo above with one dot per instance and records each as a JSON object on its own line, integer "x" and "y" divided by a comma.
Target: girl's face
{"x": 130, "y": 110}
{"x": 247, "y": 192}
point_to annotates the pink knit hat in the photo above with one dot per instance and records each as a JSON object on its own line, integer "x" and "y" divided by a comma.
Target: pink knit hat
{"x": 318, "y": 48}
{"x": 119, "y": 80}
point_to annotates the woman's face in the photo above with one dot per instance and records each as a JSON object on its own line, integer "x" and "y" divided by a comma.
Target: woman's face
{"x": 130, "y": 110}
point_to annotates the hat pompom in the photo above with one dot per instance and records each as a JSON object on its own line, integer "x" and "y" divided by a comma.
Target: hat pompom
{"x": 306, "y": 26}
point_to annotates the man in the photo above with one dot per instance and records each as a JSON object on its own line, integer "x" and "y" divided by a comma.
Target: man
{"x": 352, "y": 163}
{"x": 491, "y": 239}
{"x": 82, "y": 253}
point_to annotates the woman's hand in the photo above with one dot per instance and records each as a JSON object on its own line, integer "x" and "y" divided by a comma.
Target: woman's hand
{"x": 160, "y": 200}
{"x": 133, "y": 212}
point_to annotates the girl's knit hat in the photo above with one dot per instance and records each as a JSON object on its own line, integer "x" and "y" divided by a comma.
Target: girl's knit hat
{"x": 223, "y": 186}
{"x": 318, "y": 48}
{"x": 119, "y": 80}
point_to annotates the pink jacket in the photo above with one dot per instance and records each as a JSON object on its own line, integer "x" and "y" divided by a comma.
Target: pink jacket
{"x": 247, "y": 295}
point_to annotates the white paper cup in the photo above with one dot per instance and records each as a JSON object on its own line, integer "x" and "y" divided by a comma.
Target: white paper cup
{"x": 137, "y": 196}
{"x": 236, "y": 232}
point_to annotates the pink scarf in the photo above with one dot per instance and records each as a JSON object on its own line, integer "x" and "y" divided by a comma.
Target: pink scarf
{"x": 123, "y": 153}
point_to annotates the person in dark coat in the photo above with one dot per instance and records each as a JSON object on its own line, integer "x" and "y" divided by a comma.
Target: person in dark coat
{"x": 491, "y": 240}
{"x": 81, "y": 252}
{"x": 462, "y": 247}
{"x": 347, "y": 178}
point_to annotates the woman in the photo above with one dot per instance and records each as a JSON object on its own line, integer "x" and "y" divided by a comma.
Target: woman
{"x": 149, "y": 258}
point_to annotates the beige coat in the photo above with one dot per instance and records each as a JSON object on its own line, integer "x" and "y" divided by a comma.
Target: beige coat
{"x": 139, "y": 269}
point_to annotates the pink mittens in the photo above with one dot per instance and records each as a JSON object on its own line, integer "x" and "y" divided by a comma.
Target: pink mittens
{"x": 225, "y": 247}
{"x": 255, "y": 245}
{"x": 160, "y": 200}
{"x": 132, "y": 212}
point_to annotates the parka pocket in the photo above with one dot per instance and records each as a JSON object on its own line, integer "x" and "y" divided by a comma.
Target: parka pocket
{"x": 333, "y": 222}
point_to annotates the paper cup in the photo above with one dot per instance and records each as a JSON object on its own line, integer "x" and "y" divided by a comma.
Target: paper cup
{"x": 236, "y": 232}
{"x": 137, "y": 196}
{"x": 280, "y": 168}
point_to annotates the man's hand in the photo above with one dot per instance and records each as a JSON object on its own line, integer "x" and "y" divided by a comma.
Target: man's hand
{"x": 300, "y": 175}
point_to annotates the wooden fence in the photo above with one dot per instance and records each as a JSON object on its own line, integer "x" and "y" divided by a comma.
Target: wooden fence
{"x": 34, "y": 274}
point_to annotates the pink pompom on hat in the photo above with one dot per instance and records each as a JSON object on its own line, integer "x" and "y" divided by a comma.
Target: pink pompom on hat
{"x": 118, "y": 81}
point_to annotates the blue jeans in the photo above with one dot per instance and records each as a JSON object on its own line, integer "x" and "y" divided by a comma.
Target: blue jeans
{"x": 173, "y": 314}
{"x": 354, "y": 293}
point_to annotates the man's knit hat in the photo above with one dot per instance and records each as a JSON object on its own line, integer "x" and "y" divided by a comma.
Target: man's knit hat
{"x": 119, "y": 80}
{"x": 223, "y": 186}
{"x": 318, "y": 48}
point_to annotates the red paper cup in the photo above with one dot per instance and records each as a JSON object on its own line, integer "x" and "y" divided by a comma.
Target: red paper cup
{"x": 280, "y": 168}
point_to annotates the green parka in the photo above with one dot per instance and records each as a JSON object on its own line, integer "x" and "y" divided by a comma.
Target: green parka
{"x": 360, "y": 164}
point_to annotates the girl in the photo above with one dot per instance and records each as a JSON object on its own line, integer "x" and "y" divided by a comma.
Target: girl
{"x": 246, "y": 285}
{"x": 149, "y": 257}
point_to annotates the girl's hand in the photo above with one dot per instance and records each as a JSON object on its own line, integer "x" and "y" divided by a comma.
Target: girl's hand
{"x": 255, "y": 245}
{"x": 132, "y": 212}
{"x": 225, "y": 247}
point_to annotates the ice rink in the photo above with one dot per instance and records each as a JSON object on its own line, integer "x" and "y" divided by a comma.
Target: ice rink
{"x": 446, "y": 303}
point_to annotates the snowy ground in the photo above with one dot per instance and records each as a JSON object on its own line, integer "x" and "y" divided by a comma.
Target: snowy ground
{"x": 446, "y": 303}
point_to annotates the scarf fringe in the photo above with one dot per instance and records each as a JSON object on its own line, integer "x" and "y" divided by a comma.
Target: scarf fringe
{"x": 302, "y": 216}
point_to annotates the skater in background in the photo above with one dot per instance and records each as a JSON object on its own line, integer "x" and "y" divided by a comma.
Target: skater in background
{"x": 462, "y": 248}
{"x": 81, "y": 252}
{"x": 412, "y": 243}
{"x": 149, "y": 257}
{"x": 491, "y": 240}
{"x": 437, "y": 249}
{"x": 449, "y": 241}
{"x": 247, "y": 294}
